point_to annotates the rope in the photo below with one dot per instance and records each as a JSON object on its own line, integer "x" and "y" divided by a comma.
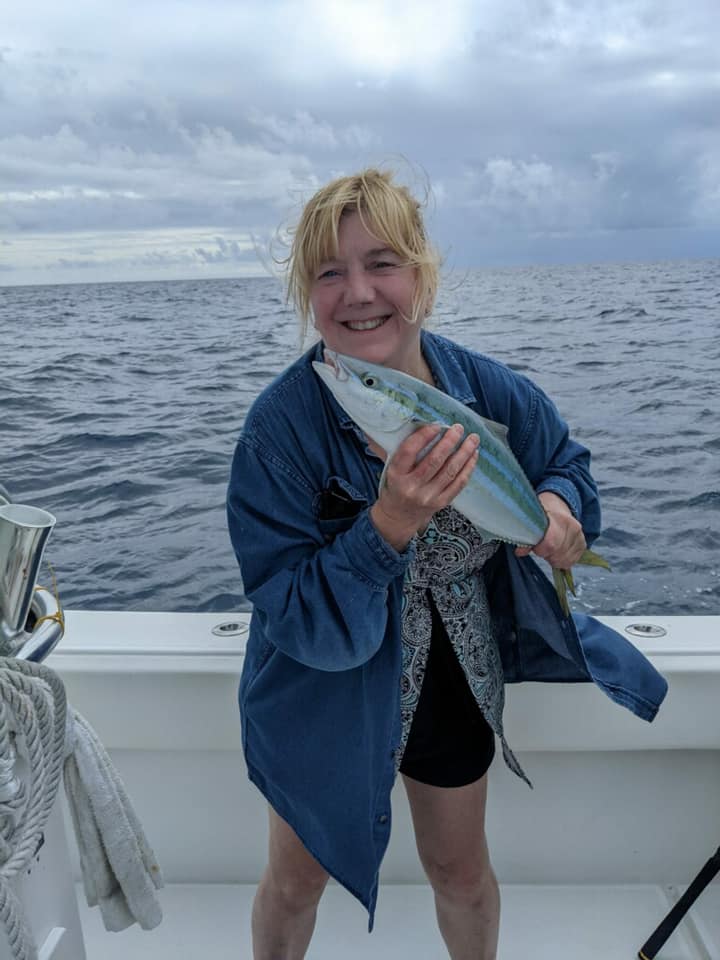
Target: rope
{"x": 32, "y": 719}
{"x": 58, "y": 617}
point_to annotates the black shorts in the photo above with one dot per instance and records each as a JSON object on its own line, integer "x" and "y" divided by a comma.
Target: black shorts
{"x": 450, "y": 743}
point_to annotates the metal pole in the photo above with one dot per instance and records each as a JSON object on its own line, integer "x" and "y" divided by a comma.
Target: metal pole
{"x": 657, "y": 939}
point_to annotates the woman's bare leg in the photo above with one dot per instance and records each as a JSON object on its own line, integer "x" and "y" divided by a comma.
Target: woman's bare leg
{"x": 450, "y": 834}
{"x": 285, "y": 907}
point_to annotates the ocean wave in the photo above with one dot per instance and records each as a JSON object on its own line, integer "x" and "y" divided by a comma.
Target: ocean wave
{"x": 126, "y": 431}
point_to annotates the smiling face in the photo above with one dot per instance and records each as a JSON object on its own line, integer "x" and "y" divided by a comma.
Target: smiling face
{"x": 361, "y": 298}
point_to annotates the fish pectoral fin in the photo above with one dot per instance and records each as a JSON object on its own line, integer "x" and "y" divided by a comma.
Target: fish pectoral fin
{"x": 394, "y": 425}
{"x": 592, "y": 559}
{"x": 432, "y": 442}
{"x": 383, "y": 475}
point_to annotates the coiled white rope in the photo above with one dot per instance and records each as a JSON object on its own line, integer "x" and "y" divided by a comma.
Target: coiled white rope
{"x": 32, "y": 724}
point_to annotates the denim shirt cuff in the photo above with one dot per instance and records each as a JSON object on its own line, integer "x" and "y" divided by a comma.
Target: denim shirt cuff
{"x": 373, "y": 555}
{"x": 566, "y": 490}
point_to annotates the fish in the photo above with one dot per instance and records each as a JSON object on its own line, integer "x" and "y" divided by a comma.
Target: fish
{"x": 388, "y": 405}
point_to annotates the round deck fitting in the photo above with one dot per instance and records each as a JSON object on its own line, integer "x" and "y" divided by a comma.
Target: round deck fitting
{"x": 229, "y": 628}
{"x": 650, "y": 630}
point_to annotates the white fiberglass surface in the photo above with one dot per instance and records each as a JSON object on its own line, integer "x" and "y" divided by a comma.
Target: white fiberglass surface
{"x": 542, "y": 922}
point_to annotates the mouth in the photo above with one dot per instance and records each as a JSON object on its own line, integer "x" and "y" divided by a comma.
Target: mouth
{"x": 372, "y": 323}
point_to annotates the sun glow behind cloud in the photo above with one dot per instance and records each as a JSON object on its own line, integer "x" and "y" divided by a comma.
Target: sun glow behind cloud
{"x": 379, "y": 39}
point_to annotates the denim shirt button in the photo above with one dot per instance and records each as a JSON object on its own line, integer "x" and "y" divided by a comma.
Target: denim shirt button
{"x": 383, "y": 818}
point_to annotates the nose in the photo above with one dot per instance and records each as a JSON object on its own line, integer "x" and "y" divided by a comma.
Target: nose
{"x": 358, "y": 288}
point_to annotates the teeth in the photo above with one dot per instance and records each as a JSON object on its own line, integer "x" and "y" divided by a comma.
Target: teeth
{"x": 366, "y": 324}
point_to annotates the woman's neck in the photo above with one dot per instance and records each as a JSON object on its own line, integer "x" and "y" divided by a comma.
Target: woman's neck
{"x": 420, "y": 368}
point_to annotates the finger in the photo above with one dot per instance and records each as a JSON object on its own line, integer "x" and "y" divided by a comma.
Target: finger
{"x": 547, "y": 547}
{"x": 438, "y": 457}
{"x": 561, "y": 535}
{"x": 457, "y": 461}
{"x": 568, "y": 553}
{"x": 452, "y": 489}
{"x": 407, "y": 453}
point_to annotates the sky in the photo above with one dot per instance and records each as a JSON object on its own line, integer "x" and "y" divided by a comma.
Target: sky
{"x": 161, "y": 139}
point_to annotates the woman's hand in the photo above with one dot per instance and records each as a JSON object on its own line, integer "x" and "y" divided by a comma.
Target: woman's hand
{"x": 412, "y": 491}
{"x": 564, "y": 540}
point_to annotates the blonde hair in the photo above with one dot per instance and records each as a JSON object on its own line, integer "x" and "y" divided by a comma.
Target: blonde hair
{"x": 387, "y": 210}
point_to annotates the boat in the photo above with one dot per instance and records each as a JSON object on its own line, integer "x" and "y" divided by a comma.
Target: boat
{"x": 622, "y": 815}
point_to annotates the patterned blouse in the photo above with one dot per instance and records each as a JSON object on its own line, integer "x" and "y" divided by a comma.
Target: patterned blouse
{"x": 448, "y": 563}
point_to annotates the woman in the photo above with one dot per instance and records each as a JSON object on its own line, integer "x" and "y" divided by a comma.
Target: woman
{"x": 383, "y": 627}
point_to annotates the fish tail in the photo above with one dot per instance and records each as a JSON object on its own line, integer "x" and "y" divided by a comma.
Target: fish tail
{"x": 563, "y": 579}
{"x": 592, "y": 559}
{"x": 561, "y": 588}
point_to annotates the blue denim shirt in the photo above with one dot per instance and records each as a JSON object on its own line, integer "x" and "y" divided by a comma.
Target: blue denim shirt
{"x": 320, "y": 687}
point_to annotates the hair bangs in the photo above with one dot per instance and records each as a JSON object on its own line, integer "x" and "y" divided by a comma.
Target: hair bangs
{"x": 387, "y": 210}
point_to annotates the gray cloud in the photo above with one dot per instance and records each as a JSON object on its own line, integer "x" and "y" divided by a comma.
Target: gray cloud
{"x": 534, "y": 122}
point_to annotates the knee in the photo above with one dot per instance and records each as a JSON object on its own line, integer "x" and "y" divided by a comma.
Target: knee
{"x": 296, "y": 890}
{"x": 462, "y": 881}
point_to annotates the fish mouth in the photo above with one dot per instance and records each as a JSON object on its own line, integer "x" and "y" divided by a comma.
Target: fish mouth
{"x": 333, "y": 360}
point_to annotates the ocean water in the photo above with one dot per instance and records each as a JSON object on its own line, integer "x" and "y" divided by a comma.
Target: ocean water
{"x": 120, "y": 405}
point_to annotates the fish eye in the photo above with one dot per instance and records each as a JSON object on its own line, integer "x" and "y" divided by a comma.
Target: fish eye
{"x": 369, "y": 380}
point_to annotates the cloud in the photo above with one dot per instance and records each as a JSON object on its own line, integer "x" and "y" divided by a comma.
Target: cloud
{"x": 139, "y": 255}
{"x": 302, "y": 130}
{"x": 706, "y": 206}
{"x": 226, "y": 251}
{"x": 529, "y": 117}
{"x": 63, "y": 180}
{"x": 509, "y": 194}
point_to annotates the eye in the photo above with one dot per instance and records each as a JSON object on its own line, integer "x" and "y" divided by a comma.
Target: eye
{"x": 369, "y": 380}
{"x": 328, "y": 274}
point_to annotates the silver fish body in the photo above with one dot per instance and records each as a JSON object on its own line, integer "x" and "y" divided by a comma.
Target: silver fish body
{"x": 389, "y": 405}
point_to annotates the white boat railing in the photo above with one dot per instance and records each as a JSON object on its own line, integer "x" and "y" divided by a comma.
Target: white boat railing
{"x": 620, "y": 801}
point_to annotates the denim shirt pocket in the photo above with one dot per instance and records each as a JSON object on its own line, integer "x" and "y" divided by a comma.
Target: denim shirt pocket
{"x": 337, "y": 506}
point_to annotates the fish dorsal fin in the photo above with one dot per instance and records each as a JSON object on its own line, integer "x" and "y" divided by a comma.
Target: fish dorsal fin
{"x": 498, "y": 430}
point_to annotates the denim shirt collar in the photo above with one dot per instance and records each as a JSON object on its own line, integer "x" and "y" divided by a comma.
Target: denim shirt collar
{"x": 445, "y": 368}
{"x": 443, "y": 365}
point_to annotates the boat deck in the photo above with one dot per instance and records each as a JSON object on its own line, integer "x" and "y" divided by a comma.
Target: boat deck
{"x": 543, "y": 922}
{"x": 624, "y": 807}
